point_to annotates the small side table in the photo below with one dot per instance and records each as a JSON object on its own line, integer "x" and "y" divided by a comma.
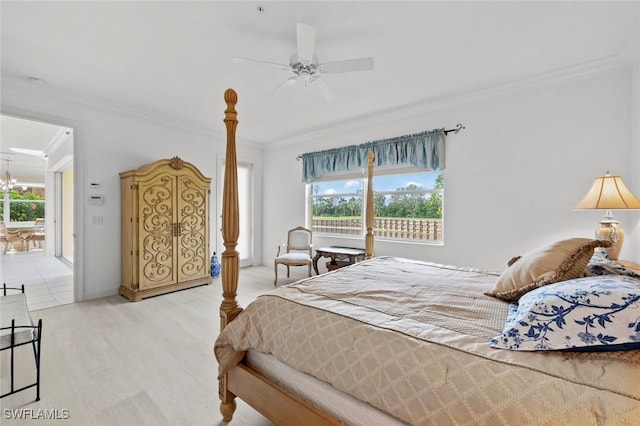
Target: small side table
{"x": 349, "y": 255}
{"x": 635, "y": 267}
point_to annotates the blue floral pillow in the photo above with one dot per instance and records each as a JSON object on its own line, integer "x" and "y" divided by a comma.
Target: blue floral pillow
{"x": 592, "y": 313}
{"x": 599, "y": 264}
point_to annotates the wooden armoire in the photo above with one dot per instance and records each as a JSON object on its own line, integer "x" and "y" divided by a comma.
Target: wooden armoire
{"x": 165, "y": 228}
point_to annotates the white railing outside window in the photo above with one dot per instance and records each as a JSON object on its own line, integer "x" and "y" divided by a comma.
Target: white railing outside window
{"x": 408, "y": 207}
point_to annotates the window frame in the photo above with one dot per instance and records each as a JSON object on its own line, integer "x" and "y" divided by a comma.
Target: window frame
{"x": 395, "y": 172}
{"x": 7, "y": 201}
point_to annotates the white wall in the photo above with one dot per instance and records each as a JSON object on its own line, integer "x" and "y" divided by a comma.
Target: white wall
{"x": 633, "y": 236}
{"x": 108, "y": 141}
{"x": 529, "y": 153}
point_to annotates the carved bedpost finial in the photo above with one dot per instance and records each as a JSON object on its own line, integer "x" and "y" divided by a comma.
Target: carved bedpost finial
{"x": 231, "y": 98}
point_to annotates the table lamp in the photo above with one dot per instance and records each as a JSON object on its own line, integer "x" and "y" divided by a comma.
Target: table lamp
{"x": 609, "y": 193}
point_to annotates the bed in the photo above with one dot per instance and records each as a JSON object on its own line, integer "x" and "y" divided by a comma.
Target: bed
{"x": 399, "y": 341}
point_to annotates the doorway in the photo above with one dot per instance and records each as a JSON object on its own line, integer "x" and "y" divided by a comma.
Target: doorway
{"x": 38, "y": 182}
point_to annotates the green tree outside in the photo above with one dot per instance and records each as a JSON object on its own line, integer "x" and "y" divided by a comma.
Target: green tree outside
{"x": 22, "y": 206}
{"x": 397, "y": 205}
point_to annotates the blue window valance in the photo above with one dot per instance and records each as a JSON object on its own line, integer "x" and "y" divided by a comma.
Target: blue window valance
{"x": 424, "y": 150}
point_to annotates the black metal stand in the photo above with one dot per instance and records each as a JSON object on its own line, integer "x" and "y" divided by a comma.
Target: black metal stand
{"x": 35, "y": 341}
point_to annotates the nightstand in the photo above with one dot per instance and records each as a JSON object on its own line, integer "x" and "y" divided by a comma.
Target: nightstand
{"x": 631, "y": 265}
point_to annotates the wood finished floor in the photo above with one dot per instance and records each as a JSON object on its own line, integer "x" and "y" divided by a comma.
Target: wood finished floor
{"x": 111, "y": 362}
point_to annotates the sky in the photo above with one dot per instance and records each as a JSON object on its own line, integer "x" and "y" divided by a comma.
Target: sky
{"x": 380, "y": 183}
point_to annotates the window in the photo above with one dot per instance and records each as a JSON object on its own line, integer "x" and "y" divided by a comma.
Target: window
{"x": 337, "y": 207}
{"x": 245, "y": 197}
{"x": 22, "y": 205}
{"x": 407, "y": 206}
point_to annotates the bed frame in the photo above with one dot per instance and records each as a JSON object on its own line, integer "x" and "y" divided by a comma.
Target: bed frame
{"x": 264, "y": 395}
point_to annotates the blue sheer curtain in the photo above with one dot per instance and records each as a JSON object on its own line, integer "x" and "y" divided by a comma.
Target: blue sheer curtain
{"x": 424, "y": 150}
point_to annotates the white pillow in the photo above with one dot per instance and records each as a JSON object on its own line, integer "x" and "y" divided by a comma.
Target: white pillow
{"x": 600, "y": 265}
{"x": 591, "y": 313}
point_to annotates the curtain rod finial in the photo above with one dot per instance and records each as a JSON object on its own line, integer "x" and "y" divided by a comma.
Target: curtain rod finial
{"x": 455, "y": 130}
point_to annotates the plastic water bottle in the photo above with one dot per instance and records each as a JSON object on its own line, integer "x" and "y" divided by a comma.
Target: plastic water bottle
{"x": 215, "y": 266}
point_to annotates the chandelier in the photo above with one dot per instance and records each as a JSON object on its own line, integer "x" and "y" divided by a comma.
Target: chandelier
{"x": 7, "y": 182}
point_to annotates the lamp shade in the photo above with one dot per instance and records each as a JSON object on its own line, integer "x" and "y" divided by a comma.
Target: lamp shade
{"x": 609, "y": 193}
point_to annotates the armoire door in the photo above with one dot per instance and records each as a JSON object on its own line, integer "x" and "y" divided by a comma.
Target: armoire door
{"x": 193, "y": 228}
{"x": 157, "y": 226}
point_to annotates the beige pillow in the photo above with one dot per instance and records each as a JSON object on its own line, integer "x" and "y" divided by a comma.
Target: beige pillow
{"x": 548, "y": 264}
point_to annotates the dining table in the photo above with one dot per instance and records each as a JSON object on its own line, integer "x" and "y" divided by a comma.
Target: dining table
{"x": 24, "y": 231}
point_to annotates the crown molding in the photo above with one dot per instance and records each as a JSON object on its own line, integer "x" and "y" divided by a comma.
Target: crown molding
{"x": 408, "y": 111}
{"x": 465, "y": 98}
{"x": 21, "y": 85}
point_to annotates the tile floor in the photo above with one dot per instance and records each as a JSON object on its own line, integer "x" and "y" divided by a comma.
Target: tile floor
{"x": 47, "y": 281}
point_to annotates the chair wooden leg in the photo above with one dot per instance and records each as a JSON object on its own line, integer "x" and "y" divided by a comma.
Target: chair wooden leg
{"x": 275, "y": 268}
{"x": 288, "y": 271}
{"x": 309, "y": 269}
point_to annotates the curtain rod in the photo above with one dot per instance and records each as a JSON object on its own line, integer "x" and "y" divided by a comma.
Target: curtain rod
{"x": 459, "y": 127}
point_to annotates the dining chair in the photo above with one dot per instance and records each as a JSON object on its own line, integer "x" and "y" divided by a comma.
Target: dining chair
{"x": 8, "y": 238}
{"x": 38, "y": 234}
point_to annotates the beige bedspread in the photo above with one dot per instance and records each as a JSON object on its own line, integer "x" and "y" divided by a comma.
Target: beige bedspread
{"x": 411, "y": 338}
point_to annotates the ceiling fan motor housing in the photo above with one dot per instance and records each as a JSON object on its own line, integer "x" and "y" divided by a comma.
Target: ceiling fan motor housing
{"x": 304, "y": 68}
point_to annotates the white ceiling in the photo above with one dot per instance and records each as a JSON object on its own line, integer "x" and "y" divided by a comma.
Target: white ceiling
{"x": 172, "y": 60}
{"x": 26, "y": 134}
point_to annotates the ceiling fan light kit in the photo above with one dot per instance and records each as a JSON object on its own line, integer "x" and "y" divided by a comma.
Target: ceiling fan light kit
{"x": 305, "y": 65}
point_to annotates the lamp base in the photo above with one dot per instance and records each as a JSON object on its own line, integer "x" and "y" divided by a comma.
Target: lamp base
{"x": 610, "y": 230}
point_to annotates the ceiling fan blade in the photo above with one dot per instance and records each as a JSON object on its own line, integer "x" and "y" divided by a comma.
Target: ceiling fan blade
{"x": 327, "y": 90}
{"x": 349, "y": 65}
{"x": 306, "y": 36}
{"x": 256, "y": 61}
{"x": 33, "y": 152}
{"x": 286, "y": 82}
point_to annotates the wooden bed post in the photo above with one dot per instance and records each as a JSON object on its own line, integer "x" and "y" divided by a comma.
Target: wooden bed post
{"x": 369, "y": 209}
{"x": 229, "y": 308}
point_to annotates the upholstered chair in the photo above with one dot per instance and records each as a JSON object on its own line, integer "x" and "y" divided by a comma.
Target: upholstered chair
{"x": 297, "y": 251}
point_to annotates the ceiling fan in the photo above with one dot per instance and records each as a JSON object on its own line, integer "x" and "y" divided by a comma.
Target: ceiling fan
{"x": 33, "y": 152}
{"x": 305, "y": 66}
